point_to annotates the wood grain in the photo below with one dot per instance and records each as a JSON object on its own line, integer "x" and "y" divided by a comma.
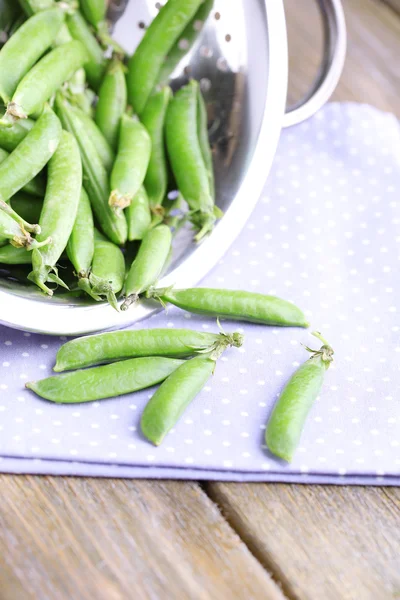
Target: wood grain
{"x": 112, "y": 539}
{"x": 335, "y": 543}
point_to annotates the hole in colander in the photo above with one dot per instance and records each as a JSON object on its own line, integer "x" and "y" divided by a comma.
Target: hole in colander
{"x": 205, "y": 84}
{"x": 206, "y": 52}
{"x": 228, "y": 37}
{"x": 222, "y": 64}
{"x": 217, "y": 16}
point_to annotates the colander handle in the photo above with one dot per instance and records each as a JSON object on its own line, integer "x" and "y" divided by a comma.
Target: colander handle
{"x": 331, "y": 68}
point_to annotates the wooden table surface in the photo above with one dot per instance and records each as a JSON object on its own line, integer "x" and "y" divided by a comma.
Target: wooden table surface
{"x": 71, "y": 538}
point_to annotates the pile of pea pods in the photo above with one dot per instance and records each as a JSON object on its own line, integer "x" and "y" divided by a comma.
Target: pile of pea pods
{"x": 90, "y": 148}
{"x": 92, "y": 142}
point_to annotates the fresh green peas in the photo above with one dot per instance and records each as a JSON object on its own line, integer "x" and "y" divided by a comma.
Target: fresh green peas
{"x": 80, "y": 248}
{"x": 17, "y": 56}
{"x": 59, "y": 211}
{"x": 108, "y": 271}
{"x": 31, "y": 155}
{"x": 186, "y": 157}
{"x": 96, "y": 63}
{"x": 131, "y": 164}
{"x": 289, "y": 415}
{"x": 117, "y": 345}
{"x": 36, "y": 187}
{"x": 117, "y": 379}
{"x": 10, "y": 255}
{"x": 94, "y": 11}
{"x": 95, "y": 176}
{"x": 104, "y": 150}
{"x": 44, "y": 79}
{"x": 10, "y": 137}
{"x": 170, "y": 401}
{"x": 236, "y": 305}
{"x": 138, "y": 216}
{"x": 159, "y": 38}
{"x": 111, "y": 105}
{"x": 27, "y": 207}
{"x": 153, "y": 118}
{"x": 148, "y": 264}
{"x": 185, "y": 42}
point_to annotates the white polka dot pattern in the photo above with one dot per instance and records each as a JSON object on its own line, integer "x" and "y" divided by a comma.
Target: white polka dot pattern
{"x": 326, "y": 235}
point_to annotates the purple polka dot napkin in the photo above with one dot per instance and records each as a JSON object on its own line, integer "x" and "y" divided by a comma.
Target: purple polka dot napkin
{"x": 326, "y": 235}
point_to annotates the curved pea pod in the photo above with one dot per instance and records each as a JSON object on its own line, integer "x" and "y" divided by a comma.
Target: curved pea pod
{"x": 44, "y": 79}
{"x": 116, "y": 345}
{"x": 31, "y": 155}
{"x": 202, "y": 132}
{"x": 36, "y": 187}
{"x": 186, "y": 156}
{"x": 104, "y": 150}
{"x": 185, "y": 42}
{"x": 153, "y": 118}
{"x": 148, "y": 264}
{"x": 138, "y": 216}
{"x": 17, "y": 56}
{"x": 10, "y": 255}
{"x": 235, "y": 305}
{"x": 159, "y": 38}
{"x": 108, "y": 272}
{"x": 131, "y": 163}
{"x": 96, "y": 63}
{"x": 111, "y": 105}
{"x": 80, "y": 248}
{"x": 289, "y": 415}
{"x": 105, "y": 382}
{"x": 27, "y": 207}
{"x": 59, "y": 211}
{"x": 95, "y": 176}
{"x": 17, "y": 235}
{"x": 10, "y": 137}
{"x": 94, "y": 11}
{"x": 172, "y": 398}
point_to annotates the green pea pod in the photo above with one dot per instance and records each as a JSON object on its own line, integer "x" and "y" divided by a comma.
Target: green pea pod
{"x": 153, "y": 118}
{"x": 27, "y": 207}
{"x": 148, "y": 264}
{"x": 10, "y": 137}
{"x": 131, "y": 164}
{"x": 108, "y": 347}
{"x": 96, "y": 64}
{"x": 17, "y": 56}
{"x": 36, "y": 187}
{"x": 44, "y": 79}
{"x": 112, "y": 102}
{"x": 103, "y": 148}
{"x": 94, "y": 11}
{"x": 80, "y": 248}
{"x": 287, "y": 420}
{"x": 18, "y": 236}
{"x": 108, "y": 272}
{"x": 10, "y": 255}
{"x": 185, "y": 42}
{"x": 202, "y": 132}
{"x": 235, "y": 305}
{"x": 186, "y": 156}
{"x": 109, "y": 381}
{"x": 159, "y": 38}
{"x": 138, "y": 216}
{"x": 95, "y": 176}
{"x": 59, "y": 211}
{"x": 172, "y": 398}
{"x": 31, "y": 155}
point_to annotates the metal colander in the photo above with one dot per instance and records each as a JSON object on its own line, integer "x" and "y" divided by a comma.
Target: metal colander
{"x": 240, "y": 59}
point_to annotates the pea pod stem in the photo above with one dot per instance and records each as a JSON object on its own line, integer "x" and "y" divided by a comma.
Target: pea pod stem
{"x": 12, "y": 213}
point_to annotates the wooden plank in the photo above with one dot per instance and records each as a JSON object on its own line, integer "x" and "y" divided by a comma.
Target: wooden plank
{"x": 320, "y": 542}
{"x": 371, "y": 73}
{"x": 114, "y": 539}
